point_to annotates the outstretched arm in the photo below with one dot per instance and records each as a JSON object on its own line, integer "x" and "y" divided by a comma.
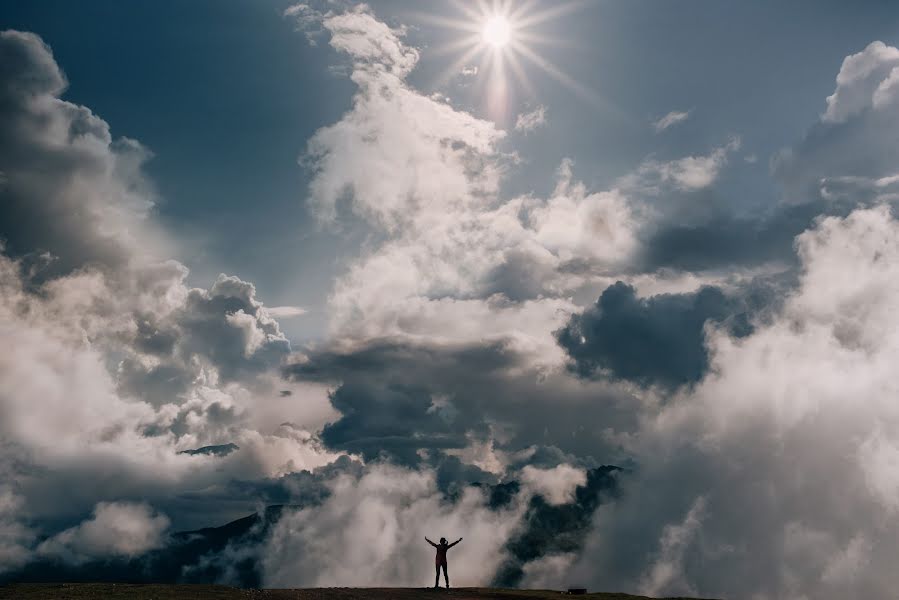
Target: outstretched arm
{"x": 430, "y": 542}
{"x": 454, "y": 543}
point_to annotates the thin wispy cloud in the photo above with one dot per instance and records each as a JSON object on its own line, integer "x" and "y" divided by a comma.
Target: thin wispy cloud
{"x": 529, "y": 121}
{"x": 673, "y": 118}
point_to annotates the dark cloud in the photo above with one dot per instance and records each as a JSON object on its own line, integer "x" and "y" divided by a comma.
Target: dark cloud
{"x": 67, "y": 187}
{"x": 654, "y": 340}
{"x": 27, "y": 69}
{"x": 399, "y": 400}
{"x": 396, "y": 399}
{"x": 725, "y": 241}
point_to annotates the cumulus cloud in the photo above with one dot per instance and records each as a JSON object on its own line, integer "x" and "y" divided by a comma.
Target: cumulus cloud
{"x": 119, "y": 363}
{"x": 95, "y": 201}
{"x": 363, "y": 533}
{"x": 660, "y": 339}
{"x": 847, "y": 158}
{"x": 115, "y": 529}
{"x": 779, "y": 413}
{"x": 866, "y": 80}
{"x": 530, "y": 121}
{"x": 458, "y": 262}
{"x": 757, "y": 414}
{"x": 670, "y": 120}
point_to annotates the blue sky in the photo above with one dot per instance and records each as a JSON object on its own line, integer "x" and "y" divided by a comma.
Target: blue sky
{"x": 261, "y": 253}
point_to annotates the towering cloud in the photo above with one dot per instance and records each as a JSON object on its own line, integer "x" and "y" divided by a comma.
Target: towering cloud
{"x": 113, "y": 363}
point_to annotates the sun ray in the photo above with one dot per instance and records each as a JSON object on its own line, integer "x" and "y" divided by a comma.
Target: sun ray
{"x": 503, "y": 33}
{"x": 520, "y": 75}
{"x": 532, "y": 37}
{"x": 556, "y": 73}
{"x": 462, "y": 44}
{"x": 559, "y": 10}
{"x": 522, "y": 9}
{"x": 465, "y": 8}
{"x": 444, "y": 21}
{"x": 456, "y": 67}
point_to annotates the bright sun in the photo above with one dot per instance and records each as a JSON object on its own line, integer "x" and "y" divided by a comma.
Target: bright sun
{"x": 497, "y": 31}
{"x": 498, "y": 43}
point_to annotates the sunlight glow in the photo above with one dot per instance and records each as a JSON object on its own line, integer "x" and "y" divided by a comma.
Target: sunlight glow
{"x": 497, "y": 31}
{"x": 499, "y": 42}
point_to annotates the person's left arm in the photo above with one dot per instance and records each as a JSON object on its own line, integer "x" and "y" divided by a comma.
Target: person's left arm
{"x": 454, "y": 543}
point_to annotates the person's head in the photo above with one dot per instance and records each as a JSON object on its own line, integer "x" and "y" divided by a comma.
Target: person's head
{"x": 442, "y": 540}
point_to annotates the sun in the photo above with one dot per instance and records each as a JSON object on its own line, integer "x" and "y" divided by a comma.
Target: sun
{"x": 497, "y": 31}
{"x": 499, "y": 44}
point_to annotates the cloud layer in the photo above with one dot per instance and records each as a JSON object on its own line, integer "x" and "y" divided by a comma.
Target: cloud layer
{"x": 486, "y": 354}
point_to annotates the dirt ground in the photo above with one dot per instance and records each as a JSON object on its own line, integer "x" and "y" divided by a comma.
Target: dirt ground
{"x": 110, "y": 591}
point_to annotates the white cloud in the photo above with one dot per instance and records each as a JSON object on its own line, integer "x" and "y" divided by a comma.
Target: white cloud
{"x": 116, "y": 529}
{"x": 808, "y": 396}
{"x": 686, "y": 174}
{"x": 530, "y": 121}
{"x": 556, "y": 485}
{"x": 850, "y": 155}
{"x": 670, "y": 120}
{"x": 866, "y": 79}
{"x": 119, "y": 364}
{"x": 285, "y": 312}
{"x": 371, "y": 532}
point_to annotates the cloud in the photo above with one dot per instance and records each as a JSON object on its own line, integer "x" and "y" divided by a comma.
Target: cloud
{"x": 655, "y": 340}
{"x": 362, "y": 534}
{"x": 286, "y": 312}
{"x": 841, "y": 159}
{"x": 866, "y": 80}
{"x": 530, "y": 121}
{"x": 670, "y": 120}
{"x": 556, "y": 485}
{"x": 16, "y": 538}
{"x": 811, "y": 393}
{"x": 95, "y": 202}
{"x": 115, "y": 529}
{"x": 456, "y": 262}
{"x": 417, "y": 404}
{"x": 686, "y": 174}
{"x": 665, "y": 573}
{"x": 119, "y": 363}
{"x": 757, "y": 412}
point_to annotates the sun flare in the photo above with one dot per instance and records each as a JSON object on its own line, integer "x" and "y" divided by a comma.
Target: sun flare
{"x": 497, "y": 31}
{"x": 501, "y": 42}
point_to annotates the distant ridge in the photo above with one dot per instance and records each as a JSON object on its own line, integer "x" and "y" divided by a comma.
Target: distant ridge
{"x": 220, "y": 450}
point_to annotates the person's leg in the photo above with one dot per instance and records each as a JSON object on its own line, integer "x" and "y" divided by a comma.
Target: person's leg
{"x": 445, "y": 576}
{"x": 436, "y": 576}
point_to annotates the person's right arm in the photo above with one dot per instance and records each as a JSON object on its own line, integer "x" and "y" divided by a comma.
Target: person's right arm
{"x": 430, "y": 542}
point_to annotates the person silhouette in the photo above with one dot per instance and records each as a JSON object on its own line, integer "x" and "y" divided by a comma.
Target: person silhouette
{"x": 440, "y": 560}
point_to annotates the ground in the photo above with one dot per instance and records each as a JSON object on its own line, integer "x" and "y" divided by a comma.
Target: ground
{"x": 110, "y": 591}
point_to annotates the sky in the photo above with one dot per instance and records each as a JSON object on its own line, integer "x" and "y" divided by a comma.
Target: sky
{"x": 371, "y": 254}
